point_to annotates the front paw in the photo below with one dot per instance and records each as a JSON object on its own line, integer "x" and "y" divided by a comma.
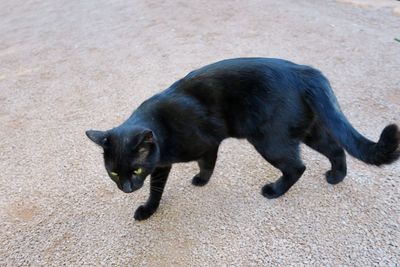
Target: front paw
{"x": 198, "y": 181}
{"x": 144, "y": 212}
{"x": 334, "y": 177}
{"x": 270, "y": 191}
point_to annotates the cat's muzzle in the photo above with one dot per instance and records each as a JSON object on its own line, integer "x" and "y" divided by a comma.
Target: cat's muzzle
{"x": 132, "y": 184}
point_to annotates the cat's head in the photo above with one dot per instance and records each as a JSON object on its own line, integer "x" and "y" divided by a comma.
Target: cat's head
{"x": 130, "y": 154}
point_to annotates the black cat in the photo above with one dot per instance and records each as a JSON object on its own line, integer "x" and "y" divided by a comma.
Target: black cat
{"x": 273, "y": 103}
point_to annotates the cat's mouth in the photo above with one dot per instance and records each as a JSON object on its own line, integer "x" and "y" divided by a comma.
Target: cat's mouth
{"x": 131, "y": 185}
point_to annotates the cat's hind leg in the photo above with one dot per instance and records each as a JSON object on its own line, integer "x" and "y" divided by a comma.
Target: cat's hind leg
{"x": 283, "y": 154}
{"x": 206, "y": 164}
{"x": 319, "y": 140}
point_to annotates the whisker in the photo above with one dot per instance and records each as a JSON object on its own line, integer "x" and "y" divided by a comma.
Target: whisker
{"x": 156, "y": 189}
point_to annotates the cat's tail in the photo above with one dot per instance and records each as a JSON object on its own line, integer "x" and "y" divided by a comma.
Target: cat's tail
{"x": 322, "y": 101}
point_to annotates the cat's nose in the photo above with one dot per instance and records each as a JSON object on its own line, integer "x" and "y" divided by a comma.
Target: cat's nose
{"x": 136, "y": 184}
{"x": 130, "y": 185}
{"x": 126, "y": 187}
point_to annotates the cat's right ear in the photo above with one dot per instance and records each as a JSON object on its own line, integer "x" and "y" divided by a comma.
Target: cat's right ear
{"x": 97, "y": 137}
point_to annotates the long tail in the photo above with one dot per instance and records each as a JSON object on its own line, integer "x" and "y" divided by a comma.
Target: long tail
{"x": 321, "y": 99}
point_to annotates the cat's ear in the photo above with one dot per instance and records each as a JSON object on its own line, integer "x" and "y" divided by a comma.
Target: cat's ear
{"x": 148, "y": 137}
{"x": 97, "y": 137}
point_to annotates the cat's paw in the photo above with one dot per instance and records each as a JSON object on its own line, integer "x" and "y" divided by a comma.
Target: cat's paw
{"x": 143, "y": 213}
{"x": 334, "y": 178}
{"x": 269, "y": 191}
{"x": 198, "y": 181}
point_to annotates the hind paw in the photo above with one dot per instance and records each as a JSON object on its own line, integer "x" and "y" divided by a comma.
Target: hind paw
{"x": 269, "y": 191}
{"x": 198, "y": 181}
{"x": 334, "y": 177}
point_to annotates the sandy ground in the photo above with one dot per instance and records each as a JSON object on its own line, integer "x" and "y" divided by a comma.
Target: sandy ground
{"x": 394, "y": 4}
{"x": 67, "y": 66}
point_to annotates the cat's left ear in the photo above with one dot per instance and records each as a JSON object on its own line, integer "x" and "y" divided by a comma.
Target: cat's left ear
{"x": 98, "y": 137}
{"x": 148, "y": 137}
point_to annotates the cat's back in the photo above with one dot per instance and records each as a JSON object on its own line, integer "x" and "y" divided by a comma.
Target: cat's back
{"x": 240, "y": 94}
{"x": 242, "y": 75}
{"x": 239, "y": 67}
{"x": 239, "y": 80}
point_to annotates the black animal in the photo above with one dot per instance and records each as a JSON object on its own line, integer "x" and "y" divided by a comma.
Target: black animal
{"x": 273, "y": 103}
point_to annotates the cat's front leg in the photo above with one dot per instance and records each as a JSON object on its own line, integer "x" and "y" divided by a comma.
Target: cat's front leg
{"x": 206, "y": 165}
{"x": 158, "y": 180}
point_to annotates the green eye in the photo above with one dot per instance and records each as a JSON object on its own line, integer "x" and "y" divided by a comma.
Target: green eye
{"x": 138, "y": 171}
{"x": 114, "y": 174}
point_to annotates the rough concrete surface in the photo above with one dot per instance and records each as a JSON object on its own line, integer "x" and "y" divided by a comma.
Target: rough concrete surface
{"x": 67, "y": 66}
{"x": 394, "y": 4}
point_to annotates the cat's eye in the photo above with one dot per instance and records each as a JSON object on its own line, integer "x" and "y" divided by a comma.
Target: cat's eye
{"x": 138, "y": 171}
{"x": 114, "y": 174}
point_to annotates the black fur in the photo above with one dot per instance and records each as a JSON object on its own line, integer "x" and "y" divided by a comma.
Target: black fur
{"x": 273, "y": 103}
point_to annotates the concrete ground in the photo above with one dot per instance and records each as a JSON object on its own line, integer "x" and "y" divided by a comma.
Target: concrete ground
{"x": 67, "y": 66}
